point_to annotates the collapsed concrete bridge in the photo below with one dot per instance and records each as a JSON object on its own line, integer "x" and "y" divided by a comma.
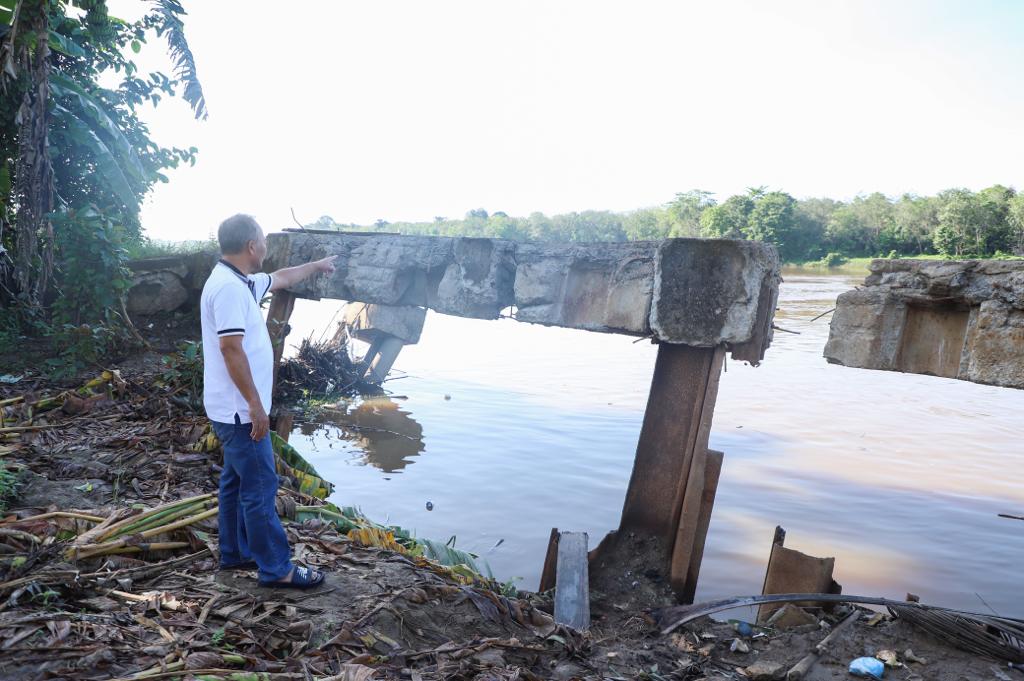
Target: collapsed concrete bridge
{"x": 959, "y": 319}
{"x": 697, "y": 299}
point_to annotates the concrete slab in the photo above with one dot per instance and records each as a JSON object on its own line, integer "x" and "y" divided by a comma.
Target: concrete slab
{"x": 701, "y": 293}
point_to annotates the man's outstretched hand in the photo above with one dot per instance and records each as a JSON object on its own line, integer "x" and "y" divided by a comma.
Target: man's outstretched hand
{"x": 326, "y": 265}
{"x": 291, "y": 276}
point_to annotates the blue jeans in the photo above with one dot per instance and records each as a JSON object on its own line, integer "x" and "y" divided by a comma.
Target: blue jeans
{"x": 249, "y": 526}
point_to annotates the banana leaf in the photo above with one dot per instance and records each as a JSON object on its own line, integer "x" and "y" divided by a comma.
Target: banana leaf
{"x": 452, "y": 557}
{"x": 351, "y": 522}
{"x": 81, "y": 102}
{"x": 107, "y": 165}
{"x": 290, "y": 463}
{"x": 287, "y": 462}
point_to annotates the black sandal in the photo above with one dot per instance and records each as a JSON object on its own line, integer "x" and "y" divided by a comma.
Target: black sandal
{"x": 302, "y": 578}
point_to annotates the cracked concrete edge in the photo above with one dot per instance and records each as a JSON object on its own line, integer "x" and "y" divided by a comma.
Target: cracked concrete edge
{"x": 725, "y": 296}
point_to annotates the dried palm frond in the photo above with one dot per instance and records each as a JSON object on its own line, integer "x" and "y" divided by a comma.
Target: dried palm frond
{"x": 990, "y": 635}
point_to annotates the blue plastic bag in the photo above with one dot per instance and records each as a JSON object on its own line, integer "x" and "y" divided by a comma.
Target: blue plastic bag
{"x": 742, "y": 628}
{"x": 867, "y": 666}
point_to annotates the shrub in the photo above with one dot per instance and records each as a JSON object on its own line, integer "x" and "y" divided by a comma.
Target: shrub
{"x": 832, "y": 259}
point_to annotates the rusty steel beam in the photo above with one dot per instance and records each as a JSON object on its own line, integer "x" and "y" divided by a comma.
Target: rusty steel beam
{"x": 676, "y": 423}
{"x": 688, "y": 552}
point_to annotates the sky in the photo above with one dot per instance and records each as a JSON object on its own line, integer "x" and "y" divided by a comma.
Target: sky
{"x": 411, "y": 110}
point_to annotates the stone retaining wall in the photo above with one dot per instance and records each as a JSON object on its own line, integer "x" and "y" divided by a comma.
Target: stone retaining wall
{"x": 168, "y": 283}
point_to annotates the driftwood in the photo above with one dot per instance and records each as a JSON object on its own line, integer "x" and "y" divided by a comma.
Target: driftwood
{"x": 801, "y": 668}
{"x": 1001, "y": 638}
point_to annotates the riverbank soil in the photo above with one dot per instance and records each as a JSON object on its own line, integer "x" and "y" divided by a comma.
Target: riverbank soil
{"x": 152, "y": 604}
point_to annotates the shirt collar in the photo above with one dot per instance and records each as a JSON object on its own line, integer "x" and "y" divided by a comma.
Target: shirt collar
{"x": 238, "y": 273}
{"x": 231, "y": 267}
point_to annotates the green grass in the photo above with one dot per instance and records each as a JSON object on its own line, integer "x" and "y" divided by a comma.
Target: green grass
{"x": 860, "y": 265}
{"x": 155, "y": 248}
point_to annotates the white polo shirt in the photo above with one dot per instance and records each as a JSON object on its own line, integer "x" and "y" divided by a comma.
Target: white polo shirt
{"x": 229, "y": 307}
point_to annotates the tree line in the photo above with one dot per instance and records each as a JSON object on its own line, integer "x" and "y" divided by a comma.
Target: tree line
{"x": 956, "y": 223}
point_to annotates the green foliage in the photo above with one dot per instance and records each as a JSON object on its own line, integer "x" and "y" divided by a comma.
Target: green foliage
{"x": 684, "y": 212}
{"x": 155, "y": 248}
{"x": 104, "y": 163}
{"x": 166, "y": 19}
{"x": 9, "y": 482}
{"x": 833, "y": 259}
{"x": 773, "y": 219}
{"x": 508, "y": 588}
{"x": 976, "y": 224}
{"x": 646, "y": 224}
{"x": 218, "y": 637}
{"x": 93, "y": 263}
{"x": 102, "y": 152}
{"x": 183, "y": 374}
{"x": 1015, "y": 223}
{"x": 728, "y": 220}
{"x": 445, "y": 553}
{"x": 86, "y": 319}
{"x": 82, "y": 346}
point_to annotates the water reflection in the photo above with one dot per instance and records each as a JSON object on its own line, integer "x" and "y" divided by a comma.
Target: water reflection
{"x": 385, "y": 435}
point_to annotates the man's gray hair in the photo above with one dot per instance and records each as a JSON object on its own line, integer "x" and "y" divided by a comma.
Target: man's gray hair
{"x": 235, "y": 232}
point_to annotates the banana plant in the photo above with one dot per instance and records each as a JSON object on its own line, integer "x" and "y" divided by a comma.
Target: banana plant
{"x": 68, "y": 143}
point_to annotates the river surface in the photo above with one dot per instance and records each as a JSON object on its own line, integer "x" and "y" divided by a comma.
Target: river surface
{"x": 509, "y": 429}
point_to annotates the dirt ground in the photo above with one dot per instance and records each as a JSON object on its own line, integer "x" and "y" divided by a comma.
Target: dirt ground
{"x": 382, "y": 613}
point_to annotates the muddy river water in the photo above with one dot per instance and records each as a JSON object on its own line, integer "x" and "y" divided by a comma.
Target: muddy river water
{"x": 509, "y": 429}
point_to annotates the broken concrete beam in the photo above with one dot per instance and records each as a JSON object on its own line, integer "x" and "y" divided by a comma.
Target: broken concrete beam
{"x": 697, "y": 292}
{"x": 597, "y": 287}
{"x": 995, "y": 345}
{"x": 958, "y": 319}
{"x": 712, "y": 288}
{"x": 366, "y": 321}
{"x": 390, "y": 269}
{"x": 478, "y": 280}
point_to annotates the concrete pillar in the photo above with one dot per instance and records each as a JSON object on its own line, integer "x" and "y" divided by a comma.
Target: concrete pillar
{"x": 387, "y": 353}
{"x": 387, "y": 328}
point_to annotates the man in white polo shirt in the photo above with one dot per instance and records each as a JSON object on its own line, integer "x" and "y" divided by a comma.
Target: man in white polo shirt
{"x": 238, "y": 376}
